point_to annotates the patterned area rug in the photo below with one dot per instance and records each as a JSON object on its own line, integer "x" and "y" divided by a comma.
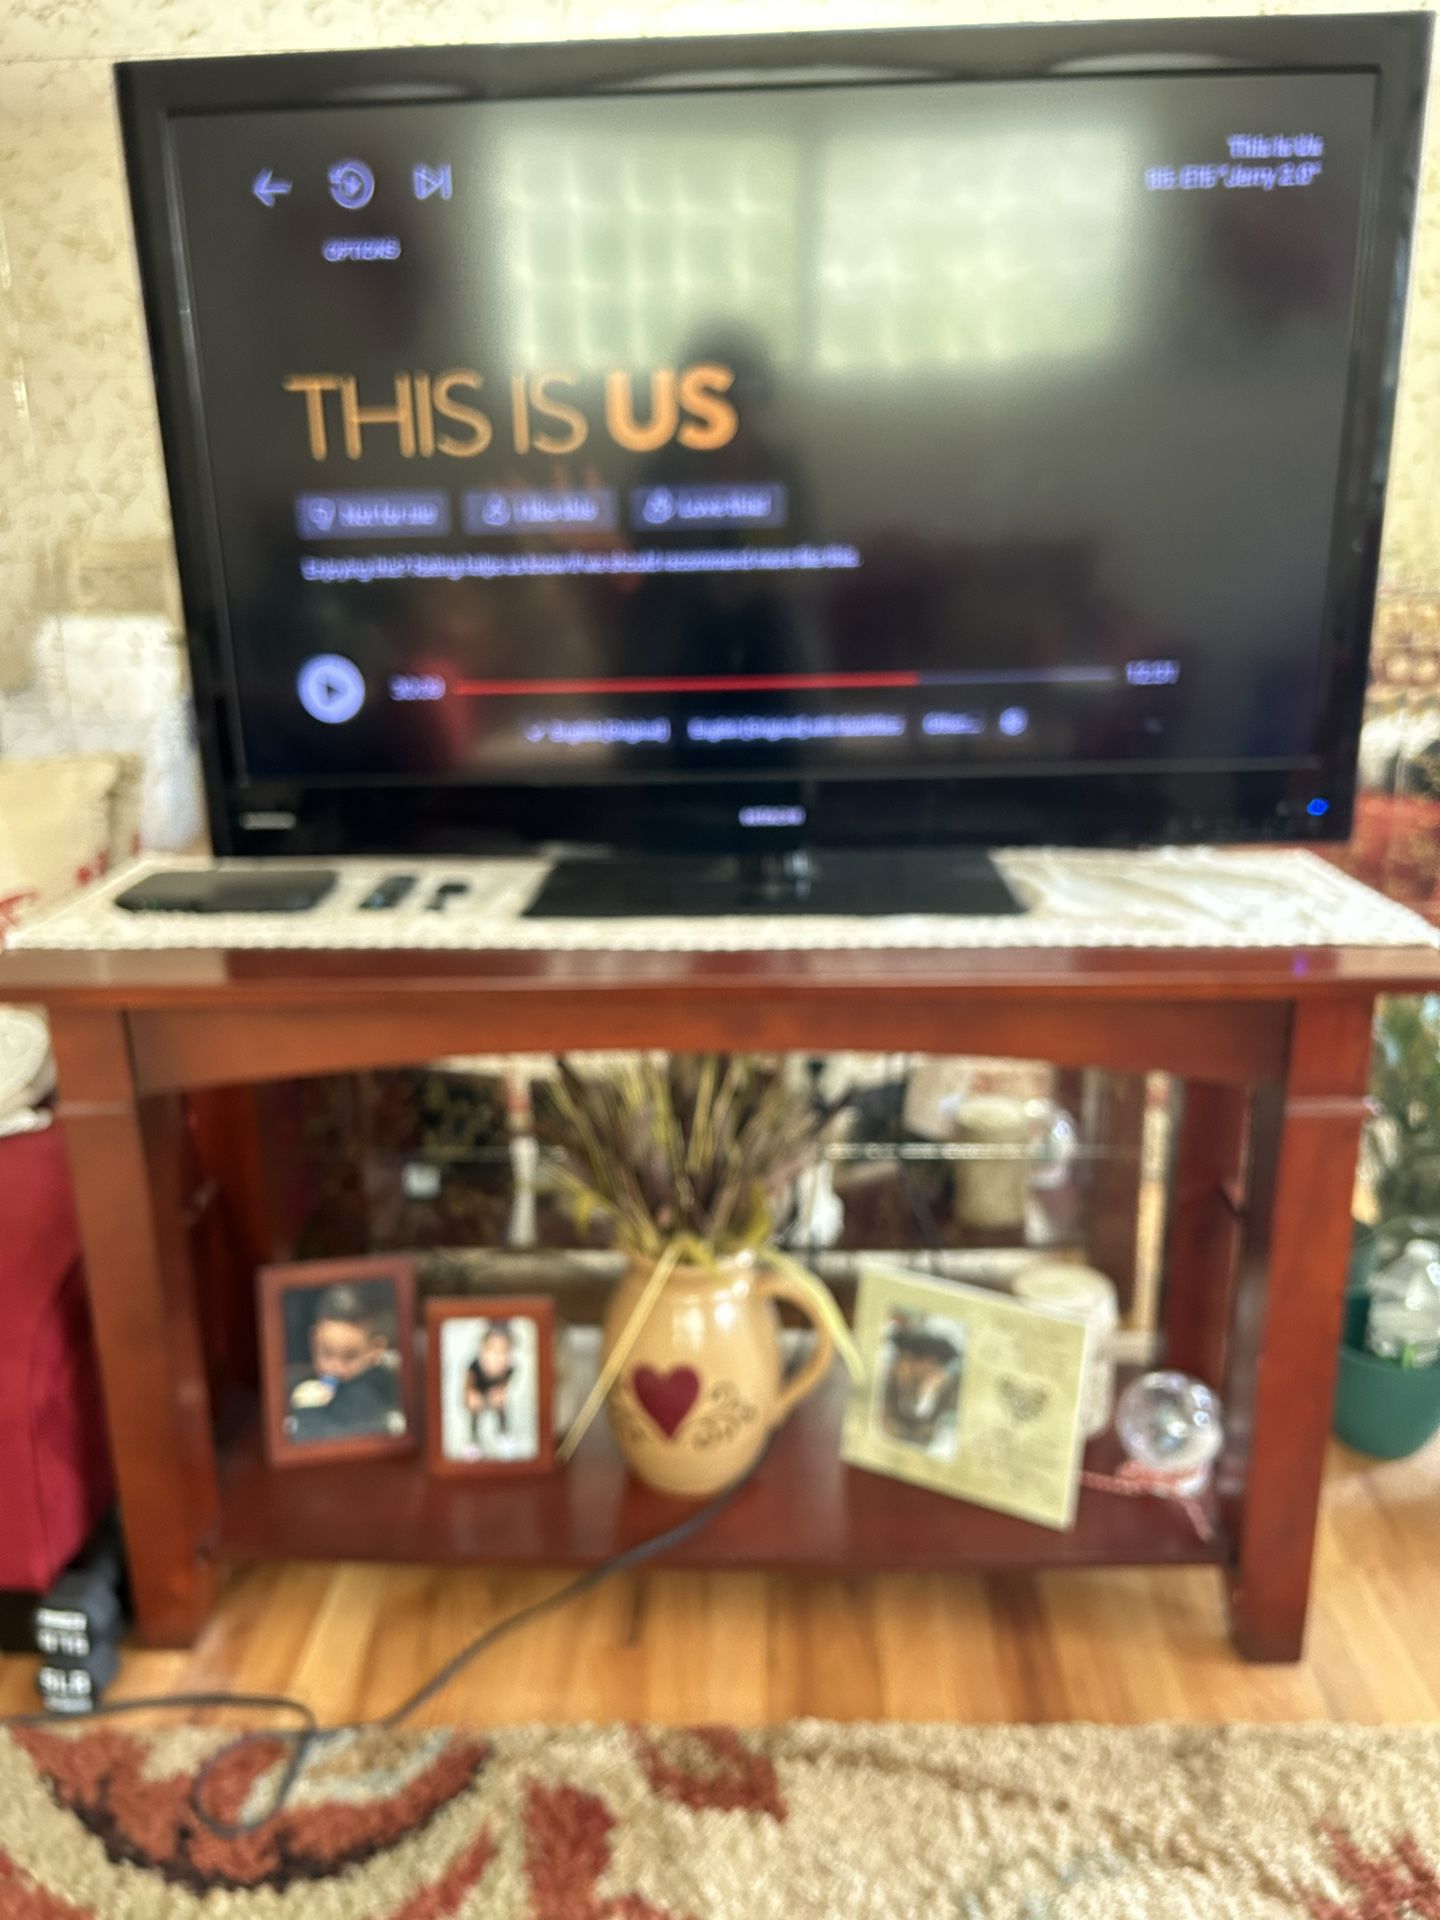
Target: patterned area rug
{"x": 1059, "y": 1823}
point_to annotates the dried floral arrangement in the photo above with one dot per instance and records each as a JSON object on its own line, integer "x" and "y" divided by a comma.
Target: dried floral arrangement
{"x": 695, "y": 1152}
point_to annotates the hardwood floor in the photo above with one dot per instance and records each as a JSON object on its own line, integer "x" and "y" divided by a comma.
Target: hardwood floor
{"x": 1108, "y": 1646}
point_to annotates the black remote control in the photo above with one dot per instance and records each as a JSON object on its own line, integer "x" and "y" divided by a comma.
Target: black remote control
{"x": 388, "y": 892}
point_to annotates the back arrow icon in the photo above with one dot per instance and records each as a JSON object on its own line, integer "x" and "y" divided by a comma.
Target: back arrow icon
{"x": 267, "y": 189}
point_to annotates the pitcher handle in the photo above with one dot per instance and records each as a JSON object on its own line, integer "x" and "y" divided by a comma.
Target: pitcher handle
{"x": 784, "y": 1286}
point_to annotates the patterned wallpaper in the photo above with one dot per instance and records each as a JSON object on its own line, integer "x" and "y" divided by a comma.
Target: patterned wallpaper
{"x": 83, "y": 518}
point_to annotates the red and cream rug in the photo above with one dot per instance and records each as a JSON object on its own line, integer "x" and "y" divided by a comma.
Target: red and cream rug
{"x": 1043, "y": 1823}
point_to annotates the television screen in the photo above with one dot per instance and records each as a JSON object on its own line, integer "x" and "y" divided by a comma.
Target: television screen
{"x": 800, "y": 436}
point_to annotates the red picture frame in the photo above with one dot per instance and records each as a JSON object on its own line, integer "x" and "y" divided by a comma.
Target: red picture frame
{"x": 282, "y": 1356}
{"x": 446, "y": 1373}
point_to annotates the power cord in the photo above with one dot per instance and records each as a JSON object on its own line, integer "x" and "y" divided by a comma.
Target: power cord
{"x": 311, "y": 1733}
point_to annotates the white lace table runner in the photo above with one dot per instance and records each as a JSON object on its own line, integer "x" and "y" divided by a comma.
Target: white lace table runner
{"x": 1181, "y": 897}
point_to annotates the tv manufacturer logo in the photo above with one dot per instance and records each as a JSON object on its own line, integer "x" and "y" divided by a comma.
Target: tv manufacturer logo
{"x": 772, "y": 816}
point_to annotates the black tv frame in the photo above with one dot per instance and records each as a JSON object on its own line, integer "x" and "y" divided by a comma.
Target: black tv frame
{"x": 700, "y": 812}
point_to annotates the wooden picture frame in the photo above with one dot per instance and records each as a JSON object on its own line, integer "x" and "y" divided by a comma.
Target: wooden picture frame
{"x": 282, "y": 1359}
{"x": 453, "y": 1329}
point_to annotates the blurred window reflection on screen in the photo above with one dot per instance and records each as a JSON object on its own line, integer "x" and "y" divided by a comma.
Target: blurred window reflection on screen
{"x": 928, "y": 244}
{"x": 623, "y": 242}
{"x": 944, "y": 249}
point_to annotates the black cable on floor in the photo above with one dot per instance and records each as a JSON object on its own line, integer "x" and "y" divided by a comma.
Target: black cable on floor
{"x": 310, "y": 1733}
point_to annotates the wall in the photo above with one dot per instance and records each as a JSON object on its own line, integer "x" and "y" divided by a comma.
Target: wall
{"x": 83, "y": 517}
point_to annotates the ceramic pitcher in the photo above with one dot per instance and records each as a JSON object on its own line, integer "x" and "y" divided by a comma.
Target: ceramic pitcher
{"x": 700, "y": 1391}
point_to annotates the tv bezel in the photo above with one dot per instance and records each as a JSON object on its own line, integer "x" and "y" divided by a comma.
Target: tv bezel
{"x": 1130, "y": 804}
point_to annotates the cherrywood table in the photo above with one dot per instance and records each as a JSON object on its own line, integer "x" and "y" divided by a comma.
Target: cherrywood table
{"x": 1274, "y": 1046}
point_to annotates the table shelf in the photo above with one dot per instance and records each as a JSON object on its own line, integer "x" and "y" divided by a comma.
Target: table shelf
{"x": 806, "y": 1512}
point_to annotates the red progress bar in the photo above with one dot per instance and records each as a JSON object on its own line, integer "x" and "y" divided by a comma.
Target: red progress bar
{"x": 712, "y": 683}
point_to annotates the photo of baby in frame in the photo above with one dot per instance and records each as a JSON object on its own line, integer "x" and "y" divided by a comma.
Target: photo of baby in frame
{"x": 337, "y": 1342}
{"x": 491, "y": 1368}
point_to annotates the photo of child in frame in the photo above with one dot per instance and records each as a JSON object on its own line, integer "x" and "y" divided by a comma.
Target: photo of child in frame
{"x": 918, "y": 1383}
{"x": 496, "y": 1389}
{"x": 337, "y": 1358}
{"x": 490, "y": 1366}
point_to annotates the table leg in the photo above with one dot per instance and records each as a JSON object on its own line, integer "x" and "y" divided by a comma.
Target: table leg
{"x": 132, "y": 1165}
{"x": 1282, "y": 1361}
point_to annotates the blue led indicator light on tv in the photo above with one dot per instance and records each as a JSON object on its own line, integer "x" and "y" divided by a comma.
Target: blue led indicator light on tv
{"x": 1318, "y": 808}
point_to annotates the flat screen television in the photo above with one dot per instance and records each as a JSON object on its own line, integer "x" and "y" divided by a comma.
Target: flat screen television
{"x": 885, "y": 440}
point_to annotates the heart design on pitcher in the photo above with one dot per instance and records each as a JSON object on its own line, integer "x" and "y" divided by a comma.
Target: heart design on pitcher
{"x": 666, "y": 1397}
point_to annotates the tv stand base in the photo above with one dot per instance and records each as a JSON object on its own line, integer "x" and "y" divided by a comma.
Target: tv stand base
{"x": 948, "y": 881}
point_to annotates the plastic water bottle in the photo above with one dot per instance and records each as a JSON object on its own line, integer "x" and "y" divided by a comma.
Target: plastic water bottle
{"x": 1404, "y": 1322}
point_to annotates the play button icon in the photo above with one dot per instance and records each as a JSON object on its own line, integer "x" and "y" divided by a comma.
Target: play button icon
{"x": 331, "y": 688}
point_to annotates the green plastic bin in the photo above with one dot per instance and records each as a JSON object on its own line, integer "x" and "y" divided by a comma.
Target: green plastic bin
{"x": 1381, "y": 1409}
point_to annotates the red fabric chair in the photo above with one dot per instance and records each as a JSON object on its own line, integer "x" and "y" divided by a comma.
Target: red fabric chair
{"x": 55, "y": 1475}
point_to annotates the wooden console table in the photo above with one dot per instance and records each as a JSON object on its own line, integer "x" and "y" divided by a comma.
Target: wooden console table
{"x": 1274, "y": 1045}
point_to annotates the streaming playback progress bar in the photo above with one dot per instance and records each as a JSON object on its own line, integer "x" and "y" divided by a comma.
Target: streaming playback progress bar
{"x": 788, "y": 682}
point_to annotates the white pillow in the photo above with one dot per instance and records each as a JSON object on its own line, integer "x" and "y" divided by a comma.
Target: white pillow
{"x": 56, "y": 828}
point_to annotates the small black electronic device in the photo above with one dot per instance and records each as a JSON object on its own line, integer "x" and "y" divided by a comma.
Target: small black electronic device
{"x": 77, "y": 1686}
{"x": 77, "y": 1625}
{"x": 388, "y": 892}
{"x": 83, "y": 1611}
{"x": 446, "y": 895}
{"x": 179, "y": 890}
